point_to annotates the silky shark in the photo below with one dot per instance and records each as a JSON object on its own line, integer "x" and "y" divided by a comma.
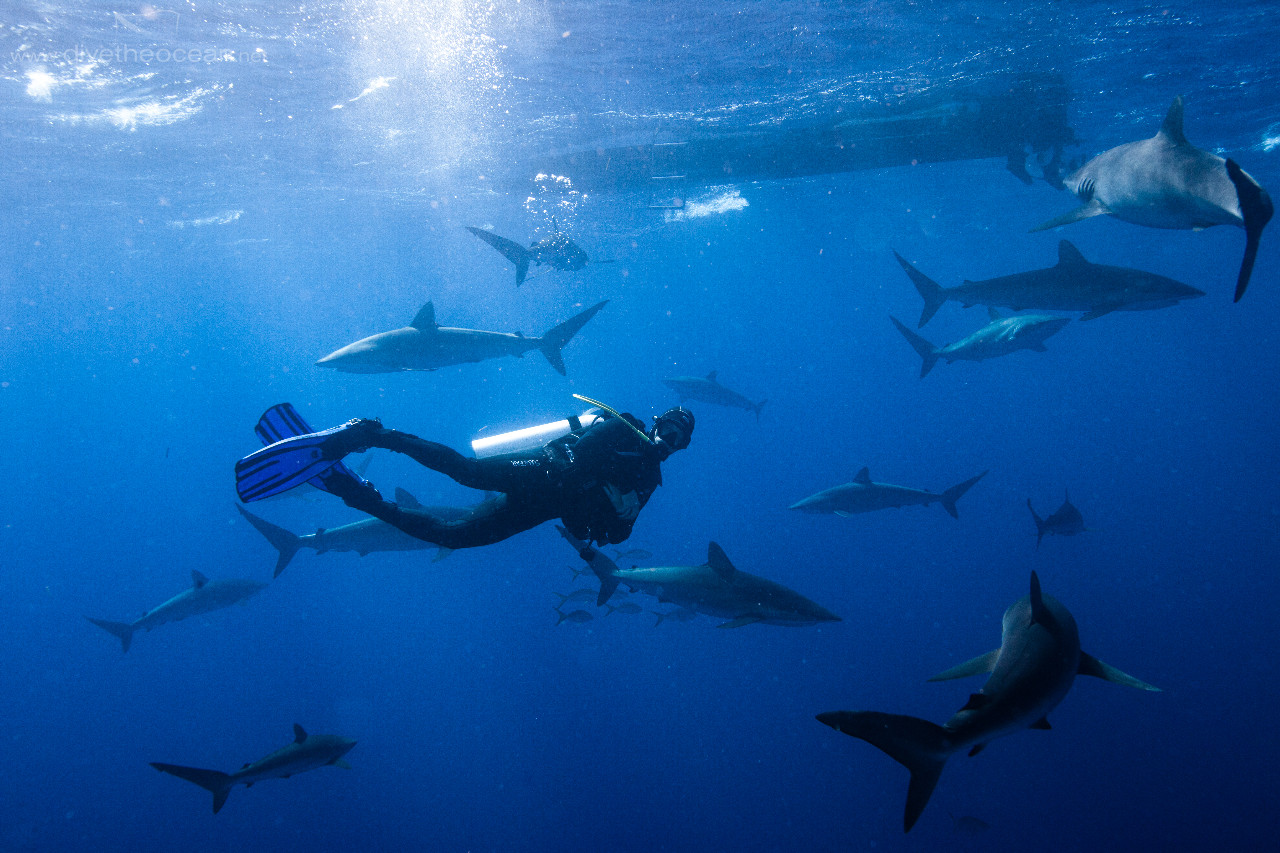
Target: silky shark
{"x": 707, "y": 389}
{"x": 862, "y": 495}
{"x": 1001, "y": 336}
{"x": 715, "y": 588}
{"x": 1032, "y": 671}
{"x": 1066, "y": 520}
{"x": 1166, "y": 182}
{"x": 307, "y": 752}
{"x": 364, "y": 536}
{"x": 203, "y": 596}
{"x": 424, "y": 345}
{"x": 557, "y": 252}
{"x": 1074, "y": 284}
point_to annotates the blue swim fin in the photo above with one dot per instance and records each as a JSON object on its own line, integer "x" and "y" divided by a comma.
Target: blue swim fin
{"x": 283, "y": 421}
{"x": 290, "y": 459}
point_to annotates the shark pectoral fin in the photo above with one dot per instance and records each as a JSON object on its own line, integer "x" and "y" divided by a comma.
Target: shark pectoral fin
{"x": 1042, "y": 724}
{"x": 1256, "y": 209}
{"x": 338, "y": 762}
{"x": 1084, "y": 211}
{"x": 977, "y": 749}
{"x": 441, "y": 553}
{"x": 976, "y": 666}
{"x": 976, "y": 701}
{"x": 740, "y": 621}
{"x": 1097, "y": 311}
{"x": 1089, "y": 665}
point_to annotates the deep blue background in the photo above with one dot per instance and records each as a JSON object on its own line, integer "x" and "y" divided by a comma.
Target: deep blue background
{"x": 168, "y": 273}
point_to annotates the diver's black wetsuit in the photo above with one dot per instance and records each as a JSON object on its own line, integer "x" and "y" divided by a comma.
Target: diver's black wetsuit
{"x": 572, "y": 478}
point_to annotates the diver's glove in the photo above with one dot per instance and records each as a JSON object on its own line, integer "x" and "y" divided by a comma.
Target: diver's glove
{"x": 625, "y": 506}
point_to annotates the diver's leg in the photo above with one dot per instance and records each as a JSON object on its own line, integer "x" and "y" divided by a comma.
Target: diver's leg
{"x": 511, "y": 472}
{"x": 490, "y": 521}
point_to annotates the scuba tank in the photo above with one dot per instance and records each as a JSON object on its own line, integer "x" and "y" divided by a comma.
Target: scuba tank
{"x": 531, "y": 438}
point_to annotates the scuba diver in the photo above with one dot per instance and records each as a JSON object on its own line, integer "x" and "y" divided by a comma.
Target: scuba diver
{"x": 595, "y": 477}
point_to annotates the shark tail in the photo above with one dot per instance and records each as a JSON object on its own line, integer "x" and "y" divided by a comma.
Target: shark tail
{"x": 927, "y": 351}
{"x": 215, "y": 781}
{"x": 930, "y": 291}
{"x": 1039, "y": 523}
{"x": 1256, "y": 209}
{"x": 918, "y": 745}
{"x": 953, "y": 494}
{"x": 282, "y": 540}
{"x": 123, "y": 630}
{"x": 510, "y": 249}
{"x": 555, "y": 339}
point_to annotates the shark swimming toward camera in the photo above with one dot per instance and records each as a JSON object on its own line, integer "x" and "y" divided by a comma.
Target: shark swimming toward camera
{"x": 203, "y": 596}
{"x": 425, "y": 345}
{"x": 715, "y": 588}
{"x": 307, "y": 752}
{"x": 1031, "y": 672}
{"x": 1001, "y": 336}
{"x": 707, "y": 389}
{"x": 364, "y": 536}
{"x": 862, "y": 495}
{"x": 1074, "y": 284}
{"x": 557, "y": 252}
{"x": 1166, "y": 182}
{"x": 1066, "y": 520}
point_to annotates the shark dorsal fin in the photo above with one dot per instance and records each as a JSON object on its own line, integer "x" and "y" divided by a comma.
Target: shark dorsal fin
{"x": 1039, "y": 613}
{"x": 1068, "y": 254}
{"x": 425, "y": 321}
{"x": 719, "y": 563}
{"x": 1171, "y": 130}
{"x": 863, "y": 477}
{"x": 198, "y": 580}
{"x": 994, "y": 315}
{"x": 299, "y": 734}
{"x": 711, "y": 377}
{"x": 407, "y": 500}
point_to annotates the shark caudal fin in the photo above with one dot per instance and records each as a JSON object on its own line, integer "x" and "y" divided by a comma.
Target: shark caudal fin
{"x": 510, "y": 249}
{"x": 927, "y": 351}
{"x": 918, "y": 745}
{"x": 930, "y": 291}
{"x": 555, "y": 339}
{"x": 123, "y": 630}
{"x": 1039, "y": 523}
{"x": 282, "y": 540}
{"x": 950, "y": 496}
{"x": 1256, "y": 209}
{"x": 601, "y": 566}
{"x": 211, "y": 780}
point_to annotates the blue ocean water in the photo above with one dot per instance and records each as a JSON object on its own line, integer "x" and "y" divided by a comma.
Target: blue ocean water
{"x": 201, "y": 199}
